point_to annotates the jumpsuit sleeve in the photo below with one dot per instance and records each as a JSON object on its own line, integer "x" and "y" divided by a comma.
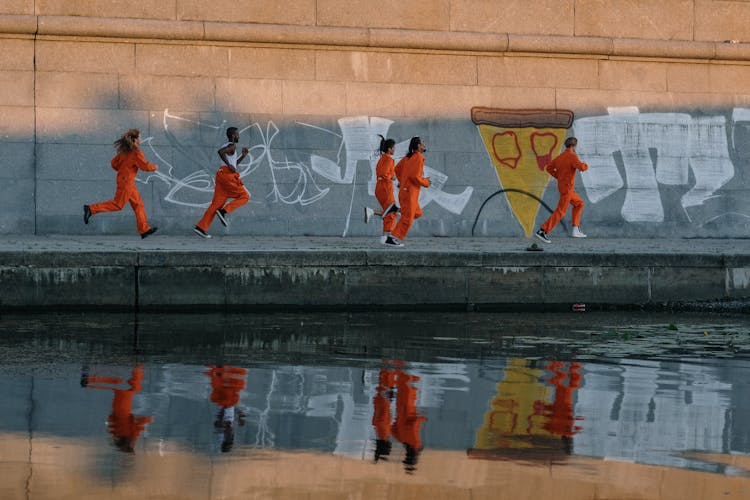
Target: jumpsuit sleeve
{"x": 577, "y": 163}
{"x": 418, "y": 179}
{"x": 551, "y": 169}
{"x": 399, "y": 171}
{"x": 142, "y": 164}
{"x": 116, "y": 162}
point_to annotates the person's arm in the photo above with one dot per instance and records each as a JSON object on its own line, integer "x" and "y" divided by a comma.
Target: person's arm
{"x": 228, "y": 150}
{"x": 398, "y": 170}
{"x": 578, "y": 164}
{"x": 244, "y": 153}
{"x": 422, "y": 181}
{"x": 551, "y": 169}
{"x": 142, "y": 164}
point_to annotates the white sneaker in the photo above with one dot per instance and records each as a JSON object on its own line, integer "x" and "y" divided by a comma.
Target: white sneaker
{"x": 382, "y": 239}
{"x": 369, "y": 212}
{"x": 577, "y": 233}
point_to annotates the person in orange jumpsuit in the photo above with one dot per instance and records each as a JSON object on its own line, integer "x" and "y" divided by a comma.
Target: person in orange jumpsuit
{"x": 127, "y": 162}
{"x": 563, "y": 168}
{"x": 122, "y": 424}
{"x": 409, "y": 172}
{"x": 228, "y": 185}
{"x": 381, "y": 416}
{"x": 226, "y": 384}
{"x": 560, "y": 418}
{"x": 408, "y": 422}
{"x": 385, "y": 172}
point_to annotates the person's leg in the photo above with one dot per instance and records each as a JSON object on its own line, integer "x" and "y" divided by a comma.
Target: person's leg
{"x": 389, "y": 222}
{"x": 208, "y": 216}
{"x": 218, "y": 201}
{"x": 558, "y": 214}
{"x": 577, "y": 204}
{"x": 384, "y": 194}
{"x": 122, "y": 194}
{"x": 136, "y": 203}
{"x": 233, "y": 187}
{"x": 408, "y": 210}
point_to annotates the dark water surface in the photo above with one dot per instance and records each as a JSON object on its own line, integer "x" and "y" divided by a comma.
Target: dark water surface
{"x": 88, "y": 395}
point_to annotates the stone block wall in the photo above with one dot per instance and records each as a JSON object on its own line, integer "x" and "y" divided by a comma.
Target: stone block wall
{"x": 659, "y": 101}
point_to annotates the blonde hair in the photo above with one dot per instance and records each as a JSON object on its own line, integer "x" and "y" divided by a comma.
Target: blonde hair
{"x": 126, "y": 143}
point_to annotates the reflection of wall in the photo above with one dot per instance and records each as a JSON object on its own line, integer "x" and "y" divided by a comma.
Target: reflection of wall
{"x": 311, "y": 73}
{"x": 643, "y": 411}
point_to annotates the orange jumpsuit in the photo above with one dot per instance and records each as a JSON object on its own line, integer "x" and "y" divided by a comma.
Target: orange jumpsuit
{"x": 385, "y": 171}
{"x": 226, "y": 384}
{"x": 409, "y": 172}
{"x": 127, "y": 166}
{"x": 122, "y": 424}
{"x": 563, "y": 168}
{"x": 228, "y": 185}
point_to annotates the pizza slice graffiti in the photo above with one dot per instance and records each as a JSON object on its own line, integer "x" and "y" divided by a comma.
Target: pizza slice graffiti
{"x": 520, "y": 143}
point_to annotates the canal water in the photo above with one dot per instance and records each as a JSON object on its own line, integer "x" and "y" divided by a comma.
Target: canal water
{"x": 375, "y": 405}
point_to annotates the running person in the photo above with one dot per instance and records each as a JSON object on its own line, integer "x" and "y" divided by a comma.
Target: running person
{"x": 228, "y": 185}
{"x": 409, "y": 172}
{"x": 126, "y": 163}
{"x": 563, "y": 169}
{"x": 385, "y": 172}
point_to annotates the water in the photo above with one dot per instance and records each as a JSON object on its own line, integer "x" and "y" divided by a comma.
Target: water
{"x": 383, "y": 405}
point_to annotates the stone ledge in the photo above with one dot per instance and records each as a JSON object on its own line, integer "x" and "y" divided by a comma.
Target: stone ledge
{"x": 205, "y": 31}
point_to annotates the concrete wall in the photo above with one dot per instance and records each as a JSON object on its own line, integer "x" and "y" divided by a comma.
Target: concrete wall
{"x": 658, "y": 100}
{"x": 325, "y": 277}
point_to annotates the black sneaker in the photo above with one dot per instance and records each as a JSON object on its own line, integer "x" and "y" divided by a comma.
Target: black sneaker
{"x": 393, "y": 241}
{"x": 392, "y": 208}
{"x": 542, "y": 235}
{"x": 149, "y": 232}
{"x": 86, "y": 214}
{"x": 221, "y": 214}
{"x": 200, "y": 232}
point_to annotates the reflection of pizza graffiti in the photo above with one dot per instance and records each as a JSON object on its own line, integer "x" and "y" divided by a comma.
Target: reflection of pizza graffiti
{"x": 526, "y": 414}
{"x": 520, "y": 143}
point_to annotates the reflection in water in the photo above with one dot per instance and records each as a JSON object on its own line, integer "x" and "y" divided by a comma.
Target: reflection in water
{"x": 122, "y": 424}
{"x": 226, "y": 384}
{"x": 320, "y": 388}
{"x": 406, "y": 427}
{"x": 525, "y": 421}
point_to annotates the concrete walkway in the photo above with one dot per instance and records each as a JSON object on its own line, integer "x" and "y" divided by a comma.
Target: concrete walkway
{"x": 164, "y": 272}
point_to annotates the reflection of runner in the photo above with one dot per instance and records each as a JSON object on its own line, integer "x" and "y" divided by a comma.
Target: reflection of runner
{"x": 526, "y": 420}
{"x": 226, "y": 384}
{"x": 406, "y": 428}
{"x": 381, "y": 416}
{"x": 122, "y": 424}
{"x": 560, "y": 418}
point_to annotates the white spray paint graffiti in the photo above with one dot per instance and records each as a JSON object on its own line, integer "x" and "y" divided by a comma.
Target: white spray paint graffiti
{"x": 361, "y": 141}
{"x": 182, "y": 191}
{"x": 358, "y": 140}
{"x": 682, "y": 143}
